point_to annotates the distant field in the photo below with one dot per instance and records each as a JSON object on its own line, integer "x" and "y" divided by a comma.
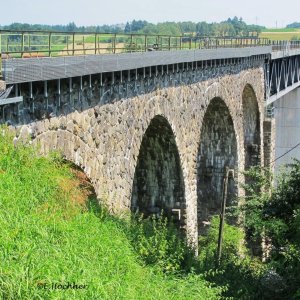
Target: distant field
{"x": 281, "y": 30}
{"x": 281, "y": 34}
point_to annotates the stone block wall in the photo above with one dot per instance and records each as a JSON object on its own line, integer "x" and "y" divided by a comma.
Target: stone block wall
{"x": 103, "y": 130}
{"x": 269, "y": 142}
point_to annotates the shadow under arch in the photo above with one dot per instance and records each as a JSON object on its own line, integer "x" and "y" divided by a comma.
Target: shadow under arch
{"x": 251, "y": 124}
{"x": 217, "y": 150}
{"x": 158, "y": 180}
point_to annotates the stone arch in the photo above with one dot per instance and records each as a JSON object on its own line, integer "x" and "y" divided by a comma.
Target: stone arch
{"x": 158, "y": 179}
{"x": 251, "y": 127}
{"x": 218, "y": 149}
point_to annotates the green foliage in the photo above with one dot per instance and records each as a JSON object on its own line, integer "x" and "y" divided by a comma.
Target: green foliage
{"x": 135, "y": 26}
{"x": 238, "y": 273}
{"x": 276, "y": 216}
{"x": 257, "y": 190}
{"x": 46, "y": 238}
{"x": 232, "y": 244}
{"x": 158, "y": 243}
{"x": 232, "y": 27}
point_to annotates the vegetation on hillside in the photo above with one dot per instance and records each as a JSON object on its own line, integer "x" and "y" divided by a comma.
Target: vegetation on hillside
{"x": 54, "y": 232}
{"x": 272, "y": 215}
{"x": 49, "y": 236}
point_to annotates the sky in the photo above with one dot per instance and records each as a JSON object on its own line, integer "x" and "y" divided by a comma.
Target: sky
{"x": 99, "y": 12}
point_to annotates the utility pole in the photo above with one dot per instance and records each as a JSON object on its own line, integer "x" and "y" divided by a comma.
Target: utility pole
{"x": 223, "y": 211}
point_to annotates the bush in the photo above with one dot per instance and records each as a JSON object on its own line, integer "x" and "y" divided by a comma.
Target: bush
{"x": 158, "y": 242}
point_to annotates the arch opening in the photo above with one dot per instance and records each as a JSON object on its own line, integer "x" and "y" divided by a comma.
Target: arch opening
{"x": 217, "y": 150}
{"x": 158, "y": 181}
{"x": 251, "y": 123}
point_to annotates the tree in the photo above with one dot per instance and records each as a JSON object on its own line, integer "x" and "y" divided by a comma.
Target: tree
{"x": 71, "y": 27}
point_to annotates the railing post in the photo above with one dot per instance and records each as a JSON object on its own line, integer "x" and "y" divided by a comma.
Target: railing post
{"x": 146, "y": 44}
{"x": 169, "y": 43}
{"x": 73, "y": 43}
{"x": 190, "y": 45}
{"x": 29, "y": 43}
{"x": 22, "y": 44}
{"x": 83, "y": 44}
{"x": 49, "y": 43}
{"x": 131, "y": 42}
{"x": 95, "y": 43}
{"x": 114, "y": 41}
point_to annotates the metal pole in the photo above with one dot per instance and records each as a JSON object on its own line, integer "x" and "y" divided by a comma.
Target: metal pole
{"x": 49, "y": 43}
{"x": 223, "y": 210}
{"x": 22, "y": 44}
{"x": 73, "y": 43}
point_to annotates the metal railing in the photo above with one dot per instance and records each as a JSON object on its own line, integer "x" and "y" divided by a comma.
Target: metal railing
{"x": 284, "y": 45}
{"x": 26, "y": 44}
{"x": 39, "y": 43}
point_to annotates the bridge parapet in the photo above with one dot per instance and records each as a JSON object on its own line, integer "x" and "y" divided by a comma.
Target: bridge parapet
{"x": 17, "y": 44}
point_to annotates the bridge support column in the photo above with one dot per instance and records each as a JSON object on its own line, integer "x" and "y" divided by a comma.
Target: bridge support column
{"x": 2, "y": 85}
{"x": 269, "y": 142}
{"x": 191, "y": 215}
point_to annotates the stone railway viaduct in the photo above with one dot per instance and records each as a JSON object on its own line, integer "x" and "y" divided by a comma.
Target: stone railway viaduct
{"x": 152, "y": 131}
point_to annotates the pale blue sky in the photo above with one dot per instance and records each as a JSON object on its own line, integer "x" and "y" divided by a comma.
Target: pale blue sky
{"x": 98, "y": 12}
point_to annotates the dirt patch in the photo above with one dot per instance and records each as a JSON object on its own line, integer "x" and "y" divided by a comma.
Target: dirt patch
{"x": 79, "y": 187}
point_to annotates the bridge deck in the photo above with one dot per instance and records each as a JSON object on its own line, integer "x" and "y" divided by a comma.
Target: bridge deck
{"x": 50, "y": 68}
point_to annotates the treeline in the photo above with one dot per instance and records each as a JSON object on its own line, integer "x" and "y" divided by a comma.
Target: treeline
{"x": 231, "y": 27}
{"x": 294, "y": 25}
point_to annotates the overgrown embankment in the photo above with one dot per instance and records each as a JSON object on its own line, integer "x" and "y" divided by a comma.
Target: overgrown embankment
{"x": 52, "y": 234}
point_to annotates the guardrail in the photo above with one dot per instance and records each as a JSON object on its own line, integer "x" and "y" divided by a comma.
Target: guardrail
{"x": 284, "y": 45}
{"x": 25, "y": 44}
{"x": 38, "y": 43}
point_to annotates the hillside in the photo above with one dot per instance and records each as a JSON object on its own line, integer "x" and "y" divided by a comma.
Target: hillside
{"x": 53, "y": 233}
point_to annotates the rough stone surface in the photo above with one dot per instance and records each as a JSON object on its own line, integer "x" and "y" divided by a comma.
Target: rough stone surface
{"x": 2, "y": 85}
{"x": 269, "y": 143}
{"x": 203, "y": 126}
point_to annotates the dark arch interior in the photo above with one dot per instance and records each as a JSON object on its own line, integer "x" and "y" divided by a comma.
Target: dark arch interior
{"x": 217, "y": 150}
{"x": 251, "y": 128}
{"x": 158, "y": 181}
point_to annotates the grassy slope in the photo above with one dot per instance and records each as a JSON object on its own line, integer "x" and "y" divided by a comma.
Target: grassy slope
{"x": 47, "y": 238}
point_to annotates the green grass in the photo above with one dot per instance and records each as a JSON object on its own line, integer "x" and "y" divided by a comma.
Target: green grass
{"x": 46, "y": 238}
